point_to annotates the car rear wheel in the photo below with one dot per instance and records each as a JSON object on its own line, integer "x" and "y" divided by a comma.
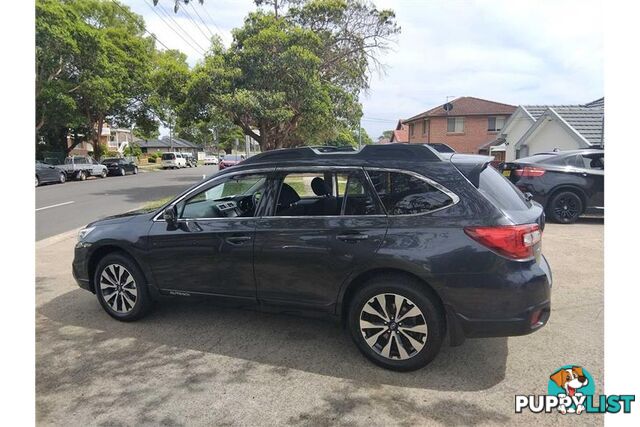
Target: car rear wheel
{"x": 396, "y": 323}
{"x": 103, "y": 174}
{"x": 122, "y": 172}
{"x": 82, "y": 175}
{"x": 121, "y": 289}
{"x": 565, "y": 207}
{"x": 63, "y": 178}
{"x": 37, "y": 181}
{"x": 135, "y": 170}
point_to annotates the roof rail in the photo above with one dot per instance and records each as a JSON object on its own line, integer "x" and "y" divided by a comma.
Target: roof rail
{"x": 415, "y": 152}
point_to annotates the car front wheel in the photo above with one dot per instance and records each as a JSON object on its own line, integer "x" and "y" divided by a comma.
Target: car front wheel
{"x": 121, "y": 288}
{"x": 37, "y": 181}
{"x": 565, "y": 207}
{"x": 397, "y": 323}
{"x": 63, "y": 177}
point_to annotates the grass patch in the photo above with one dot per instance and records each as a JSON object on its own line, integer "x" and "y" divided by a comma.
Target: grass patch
{"x": 155, "y": 204}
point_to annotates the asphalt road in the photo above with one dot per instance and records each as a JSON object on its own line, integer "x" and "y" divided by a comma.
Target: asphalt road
{"x": 64, "y": 207}
{"x": 194, "y": 363}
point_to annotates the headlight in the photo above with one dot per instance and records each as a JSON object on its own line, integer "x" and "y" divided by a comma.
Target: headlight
{"x": 84, "y": 233}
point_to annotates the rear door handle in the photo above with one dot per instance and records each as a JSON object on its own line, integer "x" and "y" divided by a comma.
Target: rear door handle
{"x": 352, "y": 237}
{"x": 237, "y": 240}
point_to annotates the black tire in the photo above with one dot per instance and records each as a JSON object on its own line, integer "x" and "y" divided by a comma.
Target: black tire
{"x": 413, "y": 295}
{"x": 135, "y": 170}
{"x": 142, "y": 303}
{"x": 103, "y": 174}
{"x": 63, "y": 178}
{"x": 37, "y": 181}
{"x": 82, "y": 176}
{"x": 122, "y": 172}
{"x": 565, "y": 207}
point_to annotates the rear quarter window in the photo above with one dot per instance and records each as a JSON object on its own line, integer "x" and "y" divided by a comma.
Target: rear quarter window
{"x": 500, "y": 191}
{"x": 405, "y": 194}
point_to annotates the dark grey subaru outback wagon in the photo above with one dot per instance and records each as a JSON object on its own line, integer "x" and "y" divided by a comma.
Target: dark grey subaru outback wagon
{"x": 402, "y": 244}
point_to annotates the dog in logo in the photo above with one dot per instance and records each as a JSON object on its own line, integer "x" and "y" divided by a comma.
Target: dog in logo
{"x": 570, "y": 380}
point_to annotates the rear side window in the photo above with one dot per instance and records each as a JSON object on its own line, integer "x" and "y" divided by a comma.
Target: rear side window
{"x": 500, "y": 191}
{"x": 404, "y": 194}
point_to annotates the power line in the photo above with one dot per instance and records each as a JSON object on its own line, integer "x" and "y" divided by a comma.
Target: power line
{"x": 211, "y": 19}
{"x": 201, "y": 20}
{"x": 186, "y": 12}
{"x": 142, "y": 25}
{"x": 167, "y": 13}
{"x": 173, "y": 29}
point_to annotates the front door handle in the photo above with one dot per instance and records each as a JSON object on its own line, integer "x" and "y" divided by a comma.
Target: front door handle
{"x": 352, "y": 237}
{"x": 237, "y": 240}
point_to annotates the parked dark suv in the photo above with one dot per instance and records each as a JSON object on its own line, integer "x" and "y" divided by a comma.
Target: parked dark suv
{"x": 401, "y": 244}
{"x": 567, "y": 183}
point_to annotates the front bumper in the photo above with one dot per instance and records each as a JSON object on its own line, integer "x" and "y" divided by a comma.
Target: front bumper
{"x": 80, "y": 266}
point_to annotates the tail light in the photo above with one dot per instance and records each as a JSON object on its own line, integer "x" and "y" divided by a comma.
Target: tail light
{"x": 512, "y": 241}
{"x": 529, "y": 171}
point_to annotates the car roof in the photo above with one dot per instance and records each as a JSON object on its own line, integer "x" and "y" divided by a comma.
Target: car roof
{"x": 391, "y": 152}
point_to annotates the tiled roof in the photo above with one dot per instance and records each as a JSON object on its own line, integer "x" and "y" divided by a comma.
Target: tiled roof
{"x": 587, "y": 121}
{"x": 400, "y": 135}
{"x": 165, "y": 143}
{"x": 468, "y": 106}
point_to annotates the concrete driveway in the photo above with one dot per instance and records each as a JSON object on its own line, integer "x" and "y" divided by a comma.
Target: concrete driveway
{"x": 192, "y": 363}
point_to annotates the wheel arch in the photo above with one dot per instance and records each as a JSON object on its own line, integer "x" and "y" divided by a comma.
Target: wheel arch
{"x": 359, "y": 281}
{"x": 568, "y": 187}
{"x": 102, "y": 252}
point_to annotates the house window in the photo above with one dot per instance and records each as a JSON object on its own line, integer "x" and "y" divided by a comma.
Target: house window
{"x": 496, "y": 123}
{"x": 425, "y": 126}
{"x": 411, "y": 129}
{"x": 455, "y": 124}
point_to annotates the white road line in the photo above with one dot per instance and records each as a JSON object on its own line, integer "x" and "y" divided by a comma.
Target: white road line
{"x": 54, "y": 206}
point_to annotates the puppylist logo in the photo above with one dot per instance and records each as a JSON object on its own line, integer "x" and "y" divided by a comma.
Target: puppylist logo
{"x": 571, "y": 390}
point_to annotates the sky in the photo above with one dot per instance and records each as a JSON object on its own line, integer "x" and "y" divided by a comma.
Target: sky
{"x": 515, "y": 52}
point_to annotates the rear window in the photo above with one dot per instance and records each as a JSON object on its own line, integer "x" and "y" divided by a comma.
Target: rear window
{"x": 168, "y": 156}
{"x": 404, "y": 194}
{"x": 500, "y": 191}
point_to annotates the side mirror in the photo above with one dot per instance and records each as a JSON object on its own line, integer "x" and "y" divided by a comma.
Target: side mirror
{"x": 170, "y": 215}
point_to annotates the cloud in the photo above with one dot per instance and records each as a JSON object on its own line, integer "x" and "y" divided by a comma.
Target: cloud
{"x": 518, "y": 52}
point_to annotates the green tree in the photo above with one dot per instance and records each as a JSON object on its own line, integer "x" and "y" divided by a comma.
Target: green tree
{"x": 132, "y": 150}
{"x": 295, "y": 78}
{"x": 92, "y": 63}
{"x": 168, "y": 77}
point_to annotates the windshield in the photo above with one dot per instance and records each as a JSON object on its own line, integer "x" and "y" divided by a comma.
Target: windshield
{"x": 168, "y": 156}
{"x": 110, "y": 160}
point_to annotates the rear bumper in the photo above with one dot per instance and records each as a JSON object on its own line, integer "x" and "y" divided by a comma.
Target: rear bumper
{"x": 517, "y": 306}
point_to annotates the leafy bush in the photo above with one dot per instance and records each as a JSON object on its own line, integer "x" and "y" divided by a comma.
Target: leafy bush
{"x": 132, "y": 150}
{"x": 151, "y": 159}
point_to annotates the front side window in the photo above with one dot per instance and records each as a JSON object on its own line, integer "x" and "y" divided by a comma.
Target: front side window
{"x": 404, "y": 194}
{"x": 237, "y": 196}
{"x": 325, "y": 193}
{"x": 455, "y": 124}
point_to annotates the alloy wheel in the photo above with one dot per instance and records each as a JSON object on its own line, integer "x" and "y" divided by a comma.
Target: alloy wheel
{"x": 63, "y": 178}
{"x": 566, "y": 207}
{"x": 118, "y": 288}
{"x": 393, "y": 326}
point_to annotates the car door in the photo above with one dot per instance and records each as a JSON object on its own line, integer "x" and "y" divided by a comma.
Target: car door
{"x": 210, "y": 251}
{"x": 593, "y": 171}
{"x": 47, "y": 172}
{"x": 311, "y": 238}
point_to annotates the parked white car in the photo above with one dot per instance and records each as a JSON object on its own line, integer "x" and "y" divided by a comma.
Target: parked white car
{"x": 211, "y": 160}
{"x": 173, "y": 161}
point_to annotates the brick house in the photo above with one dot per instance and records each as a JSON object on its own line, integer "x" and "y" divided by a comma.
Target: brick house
{"x": 469, "y": 124}
{"x": 400, "y": 133}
